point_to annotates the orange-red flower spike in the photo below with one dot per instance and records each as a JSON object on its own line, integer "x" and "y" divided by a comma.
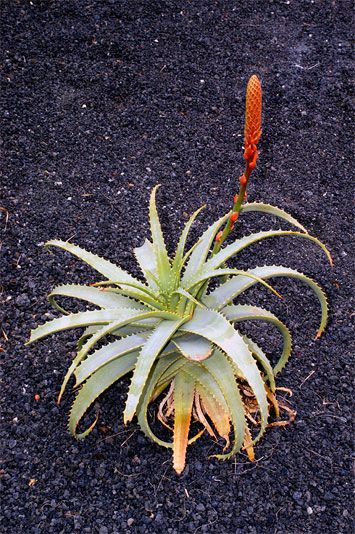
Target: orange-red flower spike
{"x": 253, "y": 104}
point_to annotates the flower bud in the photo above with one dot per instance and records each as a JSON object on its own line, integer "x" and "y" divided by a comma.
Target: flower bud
{"x": 219, "y": 235}
{"x": 243, "y": 180}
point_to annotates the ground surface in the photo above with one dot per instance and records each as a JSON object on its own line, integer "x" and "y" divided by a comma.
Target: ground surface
{"x": 101, "y": 101}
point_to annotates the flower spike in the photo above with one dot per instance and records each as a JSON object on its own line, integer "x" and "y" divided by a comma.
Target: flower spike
{"x": 252, "y": 129}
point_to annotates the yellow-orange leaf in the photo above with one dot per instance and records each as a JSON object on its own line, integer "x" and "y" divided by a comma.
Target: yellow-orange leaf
{"x": 184, "y": 391}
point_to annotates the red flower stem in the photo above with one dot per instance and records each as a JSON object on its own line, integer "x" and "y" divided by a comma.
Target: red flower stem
{"x": 236, "y": 209}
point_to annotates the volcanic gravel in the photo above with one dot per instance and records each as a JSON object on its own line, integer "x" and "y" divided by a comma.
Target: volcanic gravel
{"x": 100, "y": 101}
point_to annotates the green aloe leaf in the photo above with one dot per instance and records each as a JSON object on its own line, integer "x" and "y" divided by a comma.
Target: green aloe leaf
{"x": 148, "y": 263}
{"x": 168, "y": 375}
{"x": 200, "y": 252}
{"x": 77, "y": 320}
{"x": 105, "y": 354}
{"x": 272, "y": 210}
{"x": 225, "y": 293}
{"x": 188, "y": 296}
{"x": 151, "y": 301}
{"x": 92, "y": 340}
{"x": 179, "y": 254}
{"x": 208, "y": 274}
{"x": 150, "y": 351}
{"x": 234, "y": 248}
{"x": 159, "y": 368}
{"x": 194, "y": 347}
{"x": 97, "y": 384}
{"x": 104, "y": 267}
{"x": 263, "y": 360}
{"x": 214, "y": 327}
{"x": 160, "y": 251}
{"x": 244, "y": 312}
{"x": 88, "y": 318}
{"x": 100, "y": 297}
{"x": 204, "y": 378}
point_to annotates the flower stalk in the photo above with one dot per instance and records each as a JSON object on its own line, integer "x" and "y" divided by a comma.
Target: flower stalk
{"x": 252, "y": 134}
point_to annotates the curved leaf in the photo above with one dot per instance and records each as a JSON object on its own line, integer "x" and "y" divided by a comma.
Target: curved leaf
{"x": 213, "y": 326}
{"x": 207, "y": 274}
{"x": 97, "y": 317}
{"x": 91, "y": 342}
{"x": 105, "y": 354}
{"x": 160, "y": 367}
{"x": 226, "y": 292}
{"x": 150, "y": 351}
{"x": 219, "y": 415}
{"x": 77, "y": 320}
{"x": 97, "y": 384}
{"x": 100, "y": 297}
{"x": 104, "y": 267}
{"x": 231, "y": 250}
{"x": 222, "y": 371}
{"x": 263, "y": 360}
{"x": 243, "y": 312}
{"x": 188, "y": 296}
{"x": 204, "y": 378}
{"x": 272, "y": 210}
{"x": 199, "y": 255}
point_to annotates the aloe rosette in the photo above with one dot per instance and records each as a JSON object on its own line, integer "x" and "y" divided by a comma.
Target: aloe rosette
{"x": 178, "y": 338}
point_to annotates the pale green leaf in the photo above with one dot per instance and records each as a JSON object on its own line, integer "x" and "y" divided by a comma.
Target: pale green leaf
{"x": 100, "y": 297}
{"x": 199, "y": 255}
{"x": 150, "y": 351}
{"x": 129, "y": 316}
{"x": 234, "y": 248}
{"x": 194, "y": 347}
{"x": 160, "y": 251}
{"x": 221, "y": 370}
{"x": 147, "y": 261}
{"x": 263, "y": 360}
{"x": 244, "y": 312}
{"x": 208, "y": 274}
{"x": 179, "y": 254}
{"x": 104, "y": 267}
{"x": 105, "y": 354}
{"x": 77, "y": 320}
{"x": 272, "y": 210}
{"x": 159, "y": 369}
{"x": 214, "y": 327}
{"x": 225, "y": 293}
{"x": 97, "y": 384}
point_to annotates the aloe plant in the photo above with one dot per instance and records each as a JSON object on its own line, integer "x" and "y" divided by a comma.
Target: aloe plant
{"x": 177, "y": 337}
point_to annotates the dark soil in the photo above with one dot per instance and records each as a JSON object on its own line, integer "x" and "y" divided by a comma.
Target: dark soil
{"x": 101, "y": 100}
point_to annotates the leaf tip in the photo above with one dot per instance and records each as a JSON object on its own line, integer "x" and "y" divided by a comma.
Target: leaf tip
{"x": 179, "y": 467}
